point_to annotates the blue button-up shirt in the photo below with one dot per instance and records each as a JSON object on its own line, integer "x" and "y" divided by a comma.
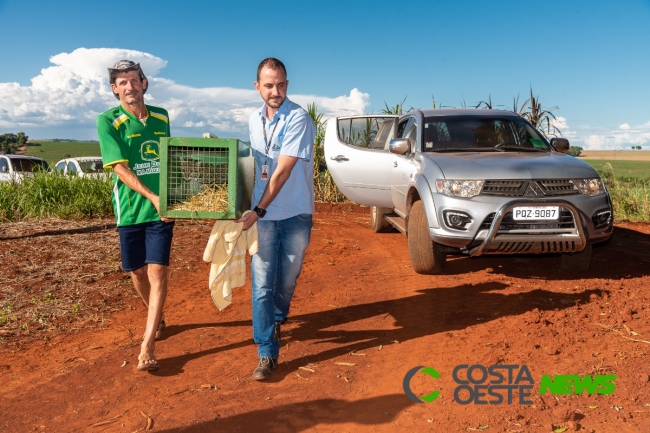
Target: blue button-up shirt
{"x": 294, "y": 136}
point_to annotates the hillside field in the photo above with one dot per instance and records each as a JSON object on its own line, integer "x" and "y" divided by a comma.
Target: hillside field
{"x": 623, "y": 169}
{"x": 53, "y": 151}
{"x": 616, "y": 155}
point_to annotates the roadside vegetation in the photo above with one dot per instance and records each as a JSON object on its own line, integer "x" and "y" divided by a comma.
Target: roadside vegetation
{"x": 631, "y": 198}
{"x": 629, "y": 187}
{"x": 52, "y": 195}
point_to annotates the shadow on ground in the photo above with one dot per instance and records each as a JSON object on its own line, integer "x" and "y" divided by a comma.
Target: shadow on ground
{"x": 629, "y": 248}
{"x": 298, "y": 417}
{"x": 431, "y": 311}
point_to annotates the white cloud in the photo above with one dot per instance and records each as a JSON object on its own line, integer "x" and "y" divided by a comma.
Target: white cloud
{"x": 594, "y": 141}
{"x": 619, "y": 139}
{"x": 71, "y": 93}
{"x": 591, "y": 138}
{"x": 563, "y": 126}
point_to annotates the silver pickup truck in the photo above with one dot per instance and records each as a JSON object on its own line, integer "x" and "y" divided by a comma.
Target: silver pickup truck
{"x": 469, "y": 181}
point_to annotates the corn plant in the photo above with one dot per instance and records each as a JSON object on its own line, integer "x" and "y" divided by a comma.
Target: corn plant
{"x": 485, "y": 104}
{"x": 541, "y": 118}
{"x": 397, "y": 109}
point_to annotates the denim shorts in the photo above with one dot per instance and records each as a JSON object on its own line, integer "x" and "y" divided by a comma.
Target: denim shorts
{"x": 145, "y": 243}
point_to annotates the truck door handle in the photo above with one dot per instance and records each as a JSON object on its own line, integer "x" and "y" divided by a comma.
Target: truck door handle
{"x": 339, "y": 158}
{"x": 394, "y": 163}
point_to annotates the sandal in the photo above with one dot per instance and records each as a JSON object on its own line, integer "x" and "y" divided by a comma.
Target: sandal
{"x": 147, "y": 363}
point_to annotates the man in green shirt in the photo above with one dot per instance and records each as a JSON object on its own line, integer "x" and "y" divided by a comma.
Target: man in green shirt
{"x": 129, "y": 137}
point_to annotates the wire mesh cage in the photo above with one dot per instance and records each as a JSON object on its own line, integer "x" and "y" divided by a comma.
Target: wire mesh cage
{"x": 203, "y": 178}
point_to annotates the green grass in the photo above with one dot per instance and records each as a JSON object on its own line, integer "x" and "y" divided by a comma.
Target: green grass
{"x": 631, "y": 199}
{"x": 623, "y": 169}
{"x": 50, "y": 195}
{"x": 53, "y": 151}
{"x": 630, "y": 195}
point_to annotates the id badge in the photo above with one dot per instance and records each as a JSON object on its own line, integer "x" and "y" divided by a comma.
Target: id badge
{"x": 265, "y": 172}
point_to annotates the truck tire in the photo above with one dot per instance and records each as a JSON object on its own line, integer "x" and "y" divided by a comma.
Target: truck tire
{"x": 426, "y": 256}
{"x": 377, "y": 221}
{"x": 576, "y": 262}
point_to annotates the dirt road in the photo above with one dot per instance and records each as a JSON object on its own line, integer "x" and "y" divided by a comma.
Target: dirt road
{"x": 360, "y": 321}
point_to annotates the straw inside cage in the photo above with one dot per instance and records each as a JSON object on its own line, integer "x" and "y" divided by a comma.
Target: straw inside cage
{"x": 197, "y": 179}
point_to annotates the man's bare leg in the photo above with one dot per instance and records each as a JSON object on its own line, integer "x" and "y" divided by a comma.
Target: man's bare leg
{"x": 157, "y": 281}
{"x": 140, "y": 279}
{"x": 142, "y": 285}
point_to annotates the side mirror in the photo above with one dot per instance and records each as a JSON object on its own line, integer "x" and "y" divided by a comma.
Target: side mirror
{"x": 5, "y": 169}
{"x": 560, "y": 144}
{"x": 399, "y": 146}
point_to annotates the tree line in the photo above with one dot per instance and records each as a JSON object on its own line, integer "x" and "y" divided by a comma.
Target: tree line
{"x": 10, "y": 142}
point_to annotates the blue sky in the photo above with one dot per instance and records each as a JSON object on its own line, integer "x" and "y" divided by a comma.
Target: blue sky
{"x": 589, "y": 58}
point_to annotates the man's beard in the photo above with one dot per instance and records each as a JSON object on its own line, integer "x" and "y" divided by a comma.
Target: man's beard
{"x": 275, "y": 102}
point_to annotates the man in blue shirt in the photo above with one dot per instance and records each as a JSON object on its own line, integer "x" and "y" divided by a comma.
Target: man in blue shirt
{"x": 282, "y": 138}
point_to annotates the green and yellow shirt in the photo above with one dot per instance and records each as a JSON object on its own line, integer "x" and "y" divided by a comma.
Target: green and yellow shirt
{"x": 125, "y": 138}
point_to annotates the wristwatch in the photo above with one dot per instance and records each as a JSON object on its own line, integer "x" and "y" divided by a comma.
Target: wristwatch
{"x": 259, "y": 211}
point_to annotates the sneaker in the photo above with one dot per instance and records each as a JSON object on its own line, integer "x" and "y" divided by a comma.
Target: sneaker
{"x": 276, "y": 333}
{"x": 264, "y": 368}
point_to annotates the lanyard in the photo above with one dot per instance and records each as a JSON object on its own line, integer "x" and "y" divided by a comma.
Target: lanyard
{"x": 267, "y": 143}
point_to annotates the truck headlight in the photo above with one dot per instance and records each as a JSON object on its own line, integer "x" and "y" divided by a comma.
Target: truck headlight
{"x": 459, "y": 188}
{"x": 590, "y": 187}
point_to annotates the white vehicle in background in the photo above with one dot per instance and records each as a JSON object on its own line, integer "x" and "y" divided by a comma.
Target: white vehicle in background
{"x": 17, "y": 167}
{"x": 85, "y": 166}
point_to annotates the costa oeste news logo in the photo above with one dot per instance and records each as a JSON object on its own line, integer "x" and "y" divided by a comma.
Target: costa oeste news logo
{"x": 507, "y": 383}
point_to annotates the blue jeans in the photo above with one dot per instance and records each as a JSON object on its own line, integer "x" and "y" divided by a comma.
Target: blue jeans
{"x": 274, "y": 271}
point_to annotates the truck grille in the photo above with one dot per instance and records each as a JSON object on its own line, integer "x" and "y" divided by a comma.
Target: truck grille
{"x": 565, "y": 222}
{"x": 499, "y": 247}
{"x": 528, "y": 188}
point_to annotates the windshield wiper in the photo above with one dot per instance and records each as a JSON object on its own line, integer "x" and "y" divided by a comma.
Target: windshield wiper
{"x": 475, "y": 149}
{"x": 517, "y": 148}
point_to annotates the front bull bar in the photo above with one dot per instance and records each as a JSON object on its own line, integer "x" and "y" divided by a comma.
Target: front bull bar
{"x": 571, "y": 241}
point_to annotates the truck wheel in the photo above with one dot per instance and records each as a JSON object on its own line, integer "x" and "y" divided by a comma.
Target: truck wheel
{"x": 377, "y": 221}
{"x": 425, "y": 254}
{"x": 577, "y": 262}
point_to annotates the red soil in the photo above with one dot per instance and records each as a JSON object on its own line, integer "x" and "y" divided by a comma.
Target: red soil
{"x": 360, "y": 320}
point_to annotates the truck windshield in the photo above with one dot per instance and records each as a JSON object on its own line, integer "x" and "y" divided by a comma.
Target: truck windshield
{"x": 28, "y": 165}
{"x": 91, "y": 166}
{"x": 473, "y": 132}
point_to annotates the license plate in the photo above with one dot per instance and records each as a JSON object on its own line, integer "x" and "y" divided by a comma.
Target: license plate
{"x": 536, "y": 213}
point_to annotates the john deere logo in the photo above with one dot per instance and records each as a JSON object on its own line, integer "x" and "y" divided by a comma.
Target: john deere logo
{"x": 407, "y": 384}
{"x": 149, "y": 150}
